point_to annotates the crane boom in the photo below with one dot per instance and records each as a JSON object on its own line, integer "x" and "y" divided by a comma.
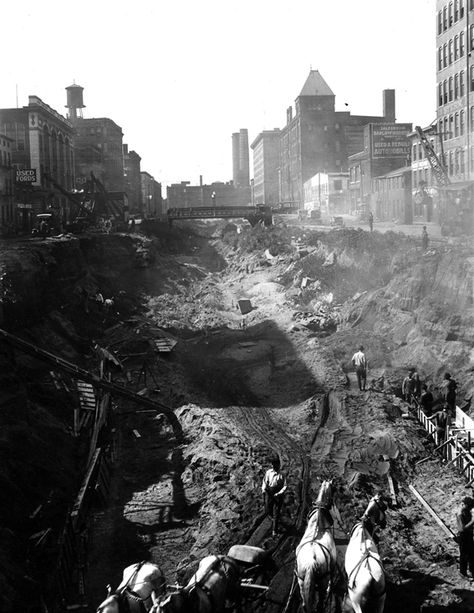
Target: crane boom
{"x": 439, "y": 170}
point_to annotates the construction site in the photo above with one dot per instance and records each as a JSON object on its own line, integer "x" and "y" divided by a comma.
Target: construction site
{"x": 148, "y": 379}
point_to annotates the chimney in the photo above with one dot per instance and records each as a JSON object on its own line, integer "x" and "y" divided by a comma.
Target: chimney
{"x": 200, "y": 180}
{"x": 389, "y": 104}
{"x": 289, "y": 114}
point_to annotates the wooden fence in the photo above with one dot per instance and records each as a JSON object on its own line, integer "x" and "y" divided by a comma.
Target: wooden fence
{"x": 457, "y": 446}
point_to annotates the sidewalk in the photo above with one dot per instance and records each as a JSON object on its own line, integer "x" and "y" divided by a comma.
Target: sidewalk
{"x": 415, "y": 229}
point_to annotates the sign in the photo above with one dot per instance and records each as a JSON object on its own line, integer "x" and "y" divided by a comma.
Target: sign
{"x": 390, "y": 140}
{"x": 26, "y": 175}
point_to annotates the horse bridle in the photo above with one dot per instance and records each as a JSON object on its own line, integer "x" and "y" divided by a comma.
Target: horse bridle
{"x": 126, "y": 589}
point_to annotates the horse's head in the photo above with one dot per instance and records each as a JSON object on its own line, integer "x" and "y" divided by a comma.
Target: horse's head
{"x": 110, "y": 605}
{"x": 375, "y": 511}
{"x": 325, "y": 495}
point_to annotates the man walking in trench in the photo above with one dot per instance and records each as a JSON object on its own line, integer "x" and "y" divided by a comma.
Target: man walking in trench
{"x": 359, "y": 362}
{"x": 273, "y": 488}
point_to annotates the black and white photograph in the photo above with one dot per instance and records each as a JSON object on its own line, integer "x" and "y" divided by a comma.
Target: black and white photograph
{"x": 237, "y": 306}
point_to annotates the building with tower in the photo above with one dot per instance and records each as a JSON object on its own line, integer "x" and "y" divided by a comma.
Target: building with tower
{"x": 240, "y": 158}
{"x": 98, "y": 145}
{"x": 319, "y": 139}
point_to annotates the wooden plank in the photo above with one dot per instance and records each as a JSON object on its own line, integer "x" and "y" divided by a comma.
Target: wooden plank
{"x": 432, "y": 512}
{"x": 84, "y": 487}
{"x": 392, "y": 489}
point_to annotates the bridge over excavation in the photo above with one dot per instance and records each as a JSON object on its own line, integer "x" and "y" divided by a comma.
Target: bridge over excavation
{"x": 254, "y": 214}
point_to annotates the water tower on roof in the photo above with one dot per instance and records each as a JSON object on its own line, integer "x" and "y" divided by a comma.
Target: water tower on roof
{"x": 74, "y": 101}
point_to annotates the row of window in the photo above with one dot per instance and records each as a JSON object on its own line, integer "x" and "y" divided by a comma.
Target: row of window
{"x": 454, "y": 125}
{"x": 454, "y": 49}
{"x": 5, "y": 158}
{"x": 391, "y": 183}
{"x": 454, "y": 87}
{"x": 450, "y": 14}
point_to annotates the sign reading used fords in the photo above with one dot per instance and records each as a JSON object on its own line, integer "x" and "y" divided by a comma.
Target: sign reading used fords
{"x": 26, "y": 175}
{"x": 390, "y": 140}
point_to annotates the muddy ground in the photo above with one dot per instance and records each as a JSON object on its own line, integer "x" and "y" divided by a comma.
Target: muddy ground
{"x": 279, "y": 380}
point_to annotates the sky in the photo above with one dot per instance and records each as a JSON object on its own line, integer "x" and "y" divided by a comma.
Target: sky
{"x": 180, "y": 76}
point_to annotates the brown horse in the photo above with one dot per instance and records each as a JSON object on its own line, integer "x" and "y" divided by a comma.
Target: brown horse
{"x": 316, "y": 553}
{"x": 141, "y": 585}
{"x": 365, "y": 572}
{"x": 216, "y": 581}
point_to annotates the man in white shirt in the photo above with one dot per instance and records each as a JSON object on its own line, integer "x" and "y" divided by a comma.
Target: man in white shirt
{"x": 359, "y": 362}
{"x": 273, "y": 488}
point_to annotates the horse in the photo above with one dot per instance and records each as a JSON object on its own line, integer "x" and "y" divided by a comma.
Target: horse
{"x": 364, "y": 568}
{"x": 316, "y": 553}
{"x": 141, "y": 585}
{"x": 216, "y": 581}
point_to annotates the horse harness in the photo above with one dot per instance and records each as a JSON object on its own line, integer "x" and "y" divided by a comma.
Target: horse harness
{"x": 367, "y": 555}
{"x": 219, "y": 567}
{"x": 127, "y": 596}
{"x": 327, "y": 554}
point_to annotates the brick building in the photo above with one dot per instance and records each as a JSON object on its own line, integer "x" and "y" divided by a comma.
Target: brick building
{"x": 152, "y": 200}
{"x": 7, "y": 212}
{"x": 41, "y": 142}
{"x": 386, "y": 148}
{"x": 99, "y": 148}
{"x": 392, "y": 196}
{"x": 132, "y": 179}
{"x": 266, "y": 162}
{"x": 320, "y": 139}
{"x": 184, "y": 195}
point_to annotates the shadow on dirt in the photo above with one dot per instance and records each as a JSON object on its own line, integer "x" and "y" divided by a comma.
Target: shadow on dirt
{"x": 410, "y": 595}
{"x": 258, "y": 366}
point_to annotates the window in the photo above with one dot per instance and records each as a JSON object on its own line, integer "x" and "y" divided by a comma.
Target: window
{"x": 338, "y": 184}
{"x": 461, "y": 123}
{"x": 451, "y": 126}
{"x": 450, "y": 89}
{"x": 440, "y": 22}
{"x": 461, "y": 83}
{"x": 450, "y": 163}
{"x": 456, "y": 86}
{"x": 450, "y": 52}
{"x": 445, "y": 18}
{"x": 461, "y": 9}
{"x": 462, "y": 162}
{"x": 456, "y": 48}
{"x": 445, "y": 55}
{"x": 456, "y": 162}
{"x": 414, "y": 152}
{"x": 461, "y": 44}
{"x": 456, "y": 11}
{"x": 450, "y": 14}
{"x": 445, "y": 92}
{"x": 456, "y": 124}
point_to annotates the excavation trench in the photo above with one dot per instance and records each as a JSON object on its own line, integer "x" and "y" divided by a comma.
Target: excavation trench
{"x": 279, "y": 385}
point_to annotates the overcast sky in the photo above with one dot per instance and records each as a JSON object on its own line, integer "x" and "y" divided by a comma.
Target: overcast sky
{"x": 179, "y": 76}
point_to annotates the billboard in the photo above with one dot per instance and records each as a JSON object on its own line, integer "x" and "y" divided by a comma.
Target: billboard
{"x": 390, "y": 140}
{"x": 25, "y": 175}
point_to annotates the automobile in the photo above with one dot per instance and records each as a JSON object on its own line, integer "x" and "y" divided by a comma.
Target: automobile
{"x": 337, "y": 221}
{"x": 45, "y": 225}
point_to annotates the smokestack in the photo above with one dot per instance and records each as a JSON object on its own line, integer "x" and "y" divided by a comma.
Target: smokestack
{"x": 240, "y": 158}
{"x": 235, "y": 157}
{"x": 289, "y": 114}
{"x": 200, "y": 180}
{"x": 389, "y": 104}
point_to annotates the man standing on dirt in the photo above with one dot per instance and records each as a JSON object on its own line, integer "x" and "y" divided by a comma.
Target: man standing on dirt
{"x": 449, "y": 394}
{"x": 465, "y": 541}
{"x": 359, "y": 362}
{"x": 424, "y": 239}
{"x": 371, "y": 221}
{"x": 273, "y": 488}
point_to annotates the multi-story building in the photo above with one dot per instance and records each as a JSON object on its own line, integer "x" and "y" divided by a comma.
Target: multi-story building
{"x": 392, "y": 195}
{"x": 240, "y": 158}
{"x": 386, "y": 148}
{"x": 7, "y": 213}
{"x": 152, "y": 200}
{"x": 320, "y": 139}
{"x": 41, "y": 147}
{"x": 98, "y": 148}
{"x": 266, "y": 163}
{"x": 327, "y": 192}
{"x": 184, "y": 195}
{"x": 132, "y": 179}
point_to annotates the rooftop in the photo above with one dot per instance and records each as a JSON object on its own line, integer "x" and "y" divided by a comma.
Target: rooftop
{"x": 316, "y": 86}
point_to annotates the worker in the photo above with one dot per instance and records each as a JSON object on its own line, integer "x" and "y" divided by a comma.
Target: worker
{"x": 424, "y": 239}
{"x": 449, "y": 386}
{"x": 442, "y": 421}
{"x": 408, "y": 387}
{"x": 426, "y": 400}
{"x": 359, "y": 362}
{"x": 273, "y": 488}
{"x": 465, "y": 524}
{"x": 371, "y": 221}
